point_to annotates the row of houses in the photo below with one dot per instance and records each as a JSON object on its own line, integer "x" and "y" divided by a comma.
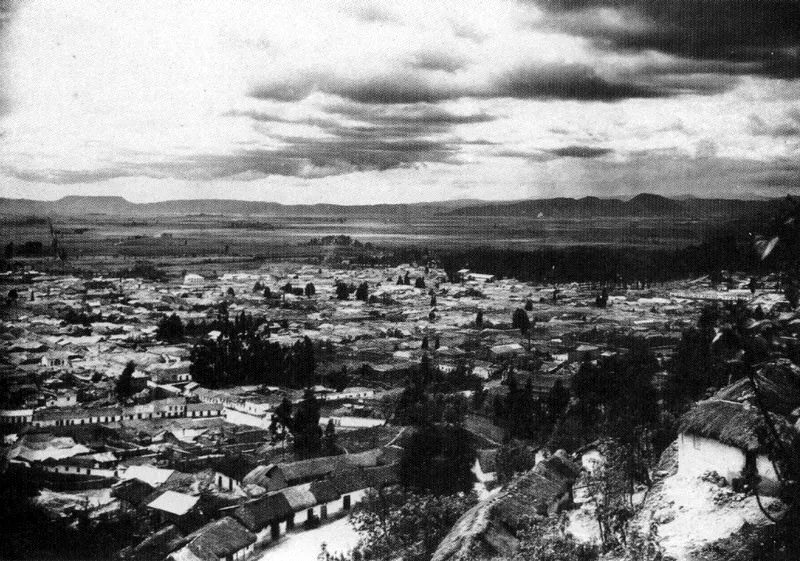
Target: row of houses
{"x": 62, "y": 416}
{"x": 238, "y": 530}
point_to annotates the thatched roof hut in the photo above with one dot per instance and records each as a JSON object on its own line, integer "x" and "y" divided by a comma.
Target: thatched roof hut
{"x": 487, "y": 530}
{"x": 736, "y": 424}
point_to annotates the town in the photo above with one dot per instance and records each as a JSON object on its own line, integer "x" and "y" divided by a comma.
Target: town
{"x": 216, "y": 416}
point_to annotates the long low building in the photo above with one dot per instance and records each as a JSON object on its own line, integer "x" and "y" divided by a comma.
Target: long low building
{"x": 172, "y": 407}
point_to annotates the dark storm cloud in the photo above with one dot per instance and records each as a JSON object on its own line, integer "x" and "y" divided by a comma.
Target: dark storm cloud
{"x": 385, "y": 137}
{"x": 580, "y": 152}
{"x": 424, "y": 114}
{"x": 577, "y": 81}
{"x": 438, "y": 60}
{"x": 318, "y": 157}
{"x": 396, "y": 90}
{"x": 550, "y": 81}
{"x": 762, "y": 32}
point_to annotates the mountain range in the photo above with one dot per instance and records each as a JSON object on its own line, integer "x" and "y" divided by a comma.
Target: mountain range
{"x": 643, "y": 205}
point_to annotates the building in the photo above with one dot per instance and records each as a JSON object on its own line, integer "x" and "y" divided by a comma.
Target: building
{"x": 505, "y": 351}
{"x": 265, "y": 517}
{"x": 222, "y": 540}
{"x": 56, "y": 359}
{"x": 193, "y": 279}
{"x": 583, "y": 352}
{"x": 203, "y": 409}
{"x": 173, "y": 507}
{"x": 730, "y": 438}
{"x": 488, "y": 530}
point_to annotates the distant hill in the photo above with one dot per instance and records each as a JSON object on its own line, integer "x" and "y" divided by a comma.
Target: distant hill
{"x": 643, "y": 205}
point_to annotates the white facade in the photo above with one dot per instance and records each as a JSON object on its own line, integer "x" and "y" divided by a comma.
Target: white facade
{"x": 698, "y": 455}
{"x": 193, "y": 280}
{"x": 352, "y": 422}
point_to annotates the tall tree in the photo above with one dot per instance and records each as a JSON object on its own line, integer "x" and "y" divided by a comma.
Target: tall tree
{"x": 306, "y": 429}
{"x": 124, "y": 387}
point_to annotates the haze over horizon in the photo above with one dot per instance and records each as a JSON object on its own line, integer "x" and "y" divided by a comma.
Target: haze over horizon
{"x": 360, "y": 102}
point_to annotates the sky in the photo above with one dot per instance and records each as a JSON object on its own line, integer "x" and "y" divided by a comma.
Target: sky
{"x": 366, "y": 101}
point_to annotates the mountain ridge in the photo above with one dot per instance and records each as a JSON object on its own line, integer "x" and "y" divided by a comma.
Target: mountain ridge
{"x": 641, "y": 205}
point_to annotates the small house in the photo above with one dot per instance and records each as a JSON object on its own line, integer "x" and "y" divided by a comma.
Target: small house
{"x": 222, "y": 540}
{"x": 265, "y": 517}
{"x": 583, "y": 352}
{"x": 174, "y": 508}
{"x": 730, "y": 438}
{"x": 193, "y": 279}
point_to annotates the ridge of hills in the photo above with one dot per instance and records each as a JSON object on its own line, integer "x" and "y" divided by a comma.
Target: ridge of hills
{"x": 642, "y": 205}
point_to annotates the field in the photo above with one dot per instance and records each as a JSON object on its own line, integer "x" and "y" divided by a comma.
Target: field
{"x": 288, "y": 237}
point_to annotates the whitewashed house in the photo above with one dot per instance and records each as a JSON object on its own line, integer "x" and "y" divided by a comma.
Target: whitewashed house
{"x": 730, "y": 438}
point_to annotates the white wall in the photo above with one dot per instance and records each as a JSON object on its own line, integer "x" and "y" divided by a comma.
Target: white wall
{"x": 239, "y": 418}
{"x": 769, "y": 484}
{"x": 697, "y": 455}
{"x": 353, "y": 422}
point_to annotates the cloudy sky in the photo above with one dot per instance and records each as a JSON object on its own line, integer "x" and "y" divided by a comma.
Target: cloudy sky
{"x": 361, "y": 101}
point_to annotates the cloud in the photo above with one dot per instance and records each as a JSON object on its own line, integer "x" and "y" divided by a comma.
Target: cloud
{"x": 786, "y": 125}
{"x": 335, "y": 89}
{"x": 575, "y": 81}
{"x": 580, "y": 152}
{"x": 764, "y": 33}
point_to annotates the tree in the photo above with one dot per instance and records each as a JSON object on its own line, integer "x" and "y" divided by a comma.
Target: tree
{"x": 545, "y": 541}
{"x": 305, "y": 426}
{"x": 433, "y": 300}
{"x": 438, "y": 459}
{"x": 397, "y": 524}
{"x": 479, "y": 319}
{"x": 362, "y": 292}
{"x": 230, "y": 292}
{"x": 557, "y": 400}
{"x": 419, "y": 283}
{"x": 342, "y": 291}
{"x": 267, "y": 292}
{"x": 612, "y": 495}
{"x": 339, "y": 379}
{"x": 520, "y": 320}
{"x": 258, "y": 287}
{"x": 124, "y": 387}
{"x": 528, "y": 305}
{"x": 330, "y": 439}
{"x": 283, "y": 412}
{"x": 170, "y": 328}
{"x": 310, "y": 290}
{"x": 602, "y": 299}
